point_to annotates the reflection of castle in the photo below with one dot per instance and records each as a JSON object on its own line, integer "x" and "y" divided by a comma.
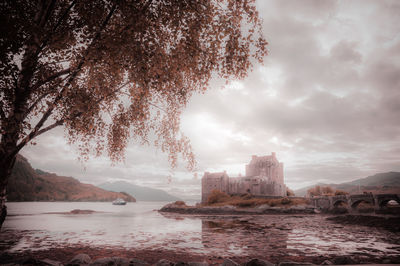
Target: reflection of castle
{"x": 264, "y": 177}
{"x": 253, "y": 237}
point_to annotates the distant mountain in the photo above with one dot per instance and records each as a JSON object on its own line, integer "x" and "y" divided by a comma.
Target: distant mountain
{"x": 379, "y": 183}
{"x": 139, "y": 192}
{"x": 27, "y": 184}
{"x": 382, "y": 179}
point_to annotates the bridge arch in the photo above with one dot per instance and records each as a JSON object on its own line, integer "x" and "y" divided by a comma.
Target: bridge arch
{"x": 382, "y": 202}
{"x": 355, "y": 203}
{"x": 339, "y": 203}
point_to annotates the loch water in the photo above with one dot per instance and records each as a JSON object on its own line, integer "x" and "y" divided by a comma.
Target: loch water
{"x": 45, "y": 225}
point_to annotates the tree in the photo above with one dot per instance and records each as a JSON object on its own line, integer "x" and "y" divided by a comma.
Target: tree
{"x": 320, "y": 191}
{"x": 327, "y": 191}
{"x": 111, "y": 70}
{"x": 339, "y": 192}
{"x": 289, "y": 192}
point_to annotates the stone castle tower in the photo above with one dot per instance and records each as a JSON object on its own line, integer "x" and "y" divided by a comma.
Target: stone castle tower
{"x": 264, "y": 177}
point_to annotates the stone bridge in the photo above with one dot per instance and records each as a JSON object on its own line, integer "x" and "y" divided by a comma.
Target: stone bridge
{"x": 377, "y": 200}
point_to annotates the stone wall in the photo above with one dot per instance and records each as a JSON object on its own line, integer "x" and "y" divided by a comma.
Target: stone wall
{"x": 214, "y": 181}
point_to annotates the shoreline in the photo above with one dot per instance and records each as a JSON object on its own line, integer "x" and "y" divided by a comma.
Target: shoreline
{"x": 218, "y": 231}
{"x": 64, "y": 255}
{"x": 232, "y": 210}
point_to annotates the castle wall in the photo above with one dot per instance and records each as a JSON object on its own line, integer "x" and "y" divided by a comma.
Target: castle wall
{"x": 213, "y": 181}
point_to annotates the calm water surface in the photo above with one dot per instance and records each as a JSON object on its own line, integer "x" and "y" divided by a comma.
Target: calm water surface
{"x": 42, "y": 225}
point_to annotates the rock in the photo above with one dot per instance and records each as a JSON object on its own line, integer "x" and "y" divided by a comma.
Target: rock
{"x": 80, "y": 259}
{"x": 327, "y": 262}
{"x": 292, "y": 263}
{"x": 25, "y": 260}
{"x": 229, "y": 262}
{"x": 343, "y": 260}
{"x": 258, "y": 262}
{"x": 49, "y": 262}
{"x": 164, "y": 263}
{"x": 136, "y": 262}
{"x": 263, "y": 207}
{"x": 111, "y": 261}
{"x": 28, "y": 261}
{"x": 193, "y": 263}
{"x": 386, "y": 261}
{"x": 78, "y": 211}
{"x": 317, "y": 210}
{"x": 299, "y": 208}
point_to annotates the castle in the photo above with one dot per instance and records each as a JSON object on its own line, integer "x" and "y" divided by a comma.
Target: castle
{"x": 264, "y": 177}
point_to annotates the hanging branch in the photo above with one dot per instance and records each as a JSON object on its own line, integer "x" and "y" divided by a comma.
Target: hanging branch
{"x": 51, "y": 106}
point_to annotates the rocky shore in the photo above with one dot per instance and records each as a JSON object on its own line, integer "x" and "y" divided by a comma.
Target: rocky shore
{"x": 83, "y": 259}
{"x": 390, "y": 223}
{"x": 233, "y": 210}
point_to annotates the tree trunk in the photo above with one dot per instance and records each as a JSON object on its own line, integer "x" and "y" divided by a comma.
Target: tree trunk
{"x": 6, "y": 167}
{"x": 8, "y": 155}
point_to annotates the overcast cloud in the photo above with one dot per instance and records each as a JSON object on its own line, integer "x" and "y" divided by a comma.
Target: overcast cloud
{"x": 327, "y": 101}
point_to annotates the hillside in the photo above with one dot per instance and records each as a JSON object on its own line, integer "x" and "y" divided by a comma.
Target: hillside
{"x": 139, "y": 192}
{"x": 26, "y": 184}
{"x": 379, "y": 183}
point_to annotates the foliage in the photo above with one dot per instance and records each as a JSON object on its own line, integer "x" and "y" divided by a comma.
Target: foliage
{"x": 285, "y": 201}
{"x": 217, "y": 196}
{"x": 289, "y": 192}
{"x": 180, "y": 203}
{"x": 320, "y": 191}
{"x": 111, "y": 70}
{"x": 340, "y": 192}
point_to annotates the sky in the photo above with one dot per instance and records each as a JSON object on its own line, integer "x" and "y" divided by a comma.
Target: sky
{"x": 326, "y": 100}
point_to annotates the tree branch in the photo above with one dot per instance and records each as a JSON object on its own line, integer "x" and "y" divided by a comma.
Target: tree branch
{"x": 75, "y": 115}
{"x": 42, "y": 97}
{"x": 48, "y": 11}
{"x": 33, "y": 133}
{"x": 46, "y": 115}
{"x": 55, "y": 124}
{"x": 64, "y": 15}
{"x": 51, "y": 78}
{"x": 2, "y": 115}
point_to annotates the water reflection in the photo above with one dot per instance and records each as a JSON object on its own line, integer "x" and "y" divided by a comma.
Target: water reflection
{"x": 138, "y": 226}
{"x": 241, "y": 236}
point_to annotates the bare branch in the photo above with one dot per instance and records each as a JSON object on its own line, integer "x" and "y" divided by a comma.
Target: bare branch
{"x": 64, "y": 15}
{"x": 51, "y": 78}
{"x": 35, "y": 103}
{"x": 48, "y": 11}
{"x": 2, "y": 115}
{"x": 55, "y": 124}
{"x": 33, "y": 133}
{"x": 158, "y": 107}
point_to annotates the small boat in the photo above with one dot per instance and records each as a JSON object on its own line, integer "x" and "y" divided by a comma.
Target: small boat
{"x": 119, "y": 201}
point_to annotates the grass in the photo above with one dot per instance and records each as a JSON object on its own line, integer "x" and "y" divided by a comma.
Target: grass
{"x": 218, "y": 198}
{"x": 180, "y": 203}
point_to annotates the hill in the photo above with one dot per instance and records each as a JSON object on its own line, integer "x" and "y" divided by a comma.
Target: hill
{"x": 139, "y": 192}
{"x": 27, "y": 184}
{"x": 379, "y": 183}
